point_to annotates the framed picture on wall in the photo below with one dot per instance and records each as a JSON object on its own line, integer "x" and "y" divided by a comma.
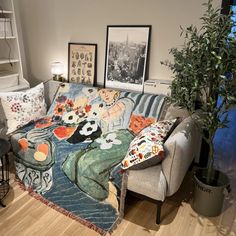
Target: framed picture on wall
{"x": 82, "y": 63}
{"x": 127, "y": 56}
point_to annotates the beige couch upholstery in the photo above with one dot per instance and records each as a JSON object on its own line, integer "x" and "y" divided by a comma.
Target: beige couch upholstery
{"x": 182, "y": 147}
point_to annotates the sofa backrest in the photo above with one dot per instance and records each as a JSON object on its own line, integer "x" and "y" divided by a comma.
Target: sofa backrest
{"x": 138, "y": 108}
{"x": 50, "y": 90}
{"x": 147, "y": 105}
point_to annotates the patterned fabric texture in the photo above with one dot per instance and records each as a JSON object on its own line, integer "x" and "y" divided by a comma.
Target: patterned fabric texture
{"x": 72, "y": 156}
{"x": 147, "y": 147}
{"x": 22, "y": 107}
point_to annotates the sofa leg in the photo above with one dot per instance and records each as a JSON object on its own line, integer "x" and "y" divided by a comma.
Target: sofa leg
{"x": 158, "y": 216}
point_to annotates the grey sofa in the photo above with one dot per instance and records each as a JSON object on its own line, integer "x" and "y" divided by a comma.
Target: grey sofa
{"x": 163, "y": 180}
{"x": 160, "y": 181}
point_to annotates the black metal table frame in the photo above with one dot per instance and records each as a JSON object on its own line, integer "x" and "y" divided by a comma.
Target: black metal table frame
{"x": 4, "y": 176}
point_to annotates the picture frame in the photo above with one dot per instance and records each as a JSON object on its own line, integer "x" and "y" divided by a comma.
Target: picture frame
{"x": 127, "y": 56}
{"x": 82, "y": 63}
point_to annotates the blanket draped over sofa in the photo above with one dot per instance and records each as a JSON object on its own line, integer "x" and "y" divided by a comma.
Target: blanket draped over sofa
{"x": 72, "y": 156}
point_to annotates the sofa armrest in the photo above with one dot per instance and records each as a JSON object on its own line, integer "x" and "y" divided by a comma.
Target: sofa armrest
{"x": 182, "y": 147}
{"x": 50, "y": 90}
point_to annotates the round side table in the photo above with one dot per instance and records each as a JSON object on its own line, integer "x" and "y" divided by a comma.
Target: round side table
{"x": 4, "y": 169}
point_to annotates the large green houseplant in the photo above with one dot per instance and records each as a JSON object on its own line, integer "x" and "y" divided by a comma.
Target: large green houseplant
{"x": 205, "y": 68}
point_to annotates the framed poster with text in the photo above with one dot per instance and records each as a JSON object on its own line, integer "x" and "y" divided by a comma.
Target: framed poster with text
{"x": 82, "y": 63}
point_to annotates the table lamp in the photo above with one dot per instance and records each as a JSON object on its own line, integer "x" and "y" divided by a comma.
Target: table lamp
{"x": 57, "y": 69}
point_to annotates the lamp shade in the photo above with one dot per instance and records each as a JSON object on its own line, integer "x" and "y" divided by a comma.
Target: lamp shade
{"x": 57, "y": 68}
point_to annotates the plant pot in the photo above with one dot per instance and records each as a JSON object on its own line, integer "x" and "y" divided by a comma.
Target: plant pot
{"x": 208, "y": 198}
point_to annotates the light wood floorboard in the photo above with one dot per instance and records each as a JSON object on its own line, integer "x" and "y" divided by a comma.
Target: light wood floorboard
{"x": 26, "y": 216}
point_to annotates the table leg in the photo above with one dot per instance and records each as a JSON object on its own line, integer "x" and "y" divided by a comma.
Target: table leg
{"x": 2, "y": 204}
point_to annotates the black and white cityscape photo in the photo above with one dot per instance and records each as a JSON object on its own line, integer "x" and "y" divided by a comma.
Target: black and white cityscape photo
{"x": 126, "y": 57}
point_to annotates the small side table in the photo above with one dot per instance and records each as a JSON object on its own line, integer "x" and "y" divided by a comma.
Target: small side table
{"x": 4, "y": 169}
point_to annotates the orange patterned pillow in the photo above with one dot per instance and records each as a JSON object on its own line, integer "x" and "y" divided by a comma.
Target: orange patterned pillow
{"x": 147, "y": 148}
{"x": 138, "y": 122}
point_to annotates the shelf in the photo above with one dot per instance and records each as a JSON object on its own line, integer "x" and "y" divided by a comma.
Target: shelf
{"x": 6, "y": 74}
{"x": 8, "y": 79}
{"x": 17, "y": 87}
{"x": 6, "y": 61}
{"x": 22, "y": 86}
{"x": 11, "y": 74}
{"x": 8, "y": 37}
{"x": 6, "y": 12}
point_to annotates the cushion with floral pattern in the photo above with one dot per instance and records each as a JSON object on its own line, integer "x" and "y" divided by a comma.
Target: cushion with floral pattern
{"x": 22, "y": 107}
{"x": 147, "y": 149}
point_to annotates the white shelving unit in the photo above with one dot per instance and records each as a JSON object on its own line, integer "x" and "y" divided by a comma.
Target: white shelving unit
{"x": 11, "y": 75}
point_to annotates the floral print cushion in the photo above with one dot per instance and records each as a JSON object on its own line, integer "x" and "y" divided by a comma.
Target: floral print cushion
{"x": 22, "y": 107}
{"x": 147, "y": 149}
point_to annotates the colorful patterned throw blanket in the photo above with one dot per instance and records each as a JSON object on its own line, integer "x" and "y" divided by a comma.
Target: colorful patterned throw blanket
{"x": 72, "y": 156}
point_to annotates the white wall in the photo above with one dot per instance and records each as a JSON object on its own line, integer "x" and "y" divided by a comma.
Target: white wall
{"x": 48, "y": 25}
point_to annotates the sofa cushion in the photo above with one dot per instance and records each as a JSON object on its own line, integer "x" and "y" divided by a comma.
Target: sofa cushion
{"x": 149, "y": 182}
{"x": 146, "y": 149}
{"x": 22, "y": 107}
{"x": 138, "y": 123}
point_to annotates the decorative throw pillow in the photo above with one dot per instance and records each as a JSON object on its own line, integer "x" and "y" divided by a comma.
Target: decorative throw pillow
{"x": 22, "y": 107}
{"x": 138, "y": 122}
{"x": 147, "y": 149}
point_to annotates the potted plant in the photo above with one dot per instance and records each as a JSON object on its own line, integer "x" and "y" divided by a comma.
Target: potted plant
{"x": 204, "y": 69}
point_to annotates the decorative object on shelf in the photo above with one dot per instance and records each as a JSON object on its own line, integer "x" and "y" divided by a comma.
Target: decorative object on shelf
{"x": 82, "y": 62}
{"x": 4, "y": 169}
{"x": 204, "y": 69}
{"x": 57, "y": 69}
{"x": 127, "y": 54}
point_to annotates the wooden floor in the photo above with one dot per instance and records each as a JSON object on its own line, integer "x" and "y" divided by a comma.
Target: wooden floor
{"x": 25, "y": 215}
